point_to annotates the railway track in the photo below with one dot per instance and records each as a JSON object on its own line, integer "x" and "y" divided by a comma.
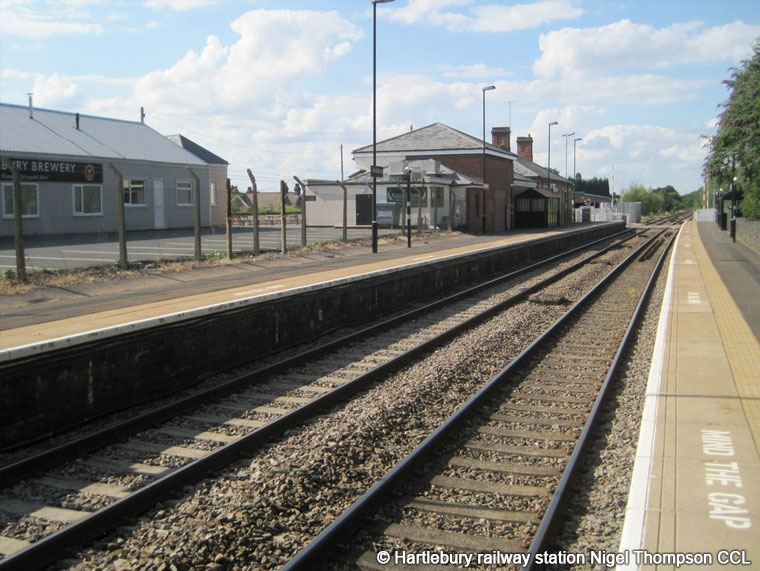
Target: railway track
{"x": 486, "y": 487}
{"x": 110, "y": 477}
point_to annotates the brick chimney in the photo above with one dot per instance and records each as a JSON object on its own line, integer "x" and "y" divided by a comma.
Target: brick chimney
{"x": 525, "y": 147}
{"x": 500, "y": 137}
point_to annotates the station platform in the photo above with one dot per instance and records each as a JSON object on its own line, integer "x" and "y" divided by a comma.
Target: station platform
{"x": 83, "y": 312}
{"x": 695, "y": 490}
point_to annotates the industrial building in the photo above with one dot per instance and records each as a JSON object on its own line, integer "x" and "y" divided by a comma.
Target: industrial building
{"x": 69, "y": 165}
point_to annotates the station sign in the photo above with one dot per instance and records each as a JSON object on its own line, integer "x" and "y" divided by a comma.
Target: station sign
{"x": 375, "y": 170}
{"x": 53, "y": 171}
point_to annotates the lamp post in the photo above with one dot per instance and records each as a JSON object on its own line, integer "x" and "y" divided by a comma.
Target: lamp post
{"x": 549, "y": 159}
{"x": 374, "y": 122}
{"x": 574, "y": 171}
{"x": 566, "y": 135}
{"x": 484, "y": 89}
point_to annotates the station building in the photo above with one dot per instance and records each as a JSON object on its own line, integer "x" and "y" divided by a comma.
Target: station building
{"x": 68, "y": 165}
{"x": 446, "y": 167}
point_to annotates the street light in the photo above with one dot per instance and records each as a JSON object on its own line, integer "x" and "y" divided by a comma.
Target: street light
{"x": 484, "y": 89}
{"x": 374, "y": 122}
{"x": 566, "y": 135}
{"x": 574, "y": 171}
{"x": 549, "y": 159}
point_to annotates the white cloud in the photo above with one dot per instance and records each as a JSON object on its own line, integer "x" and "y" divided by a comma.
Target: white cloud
{"x": 472, "y": 71}
{"x": 57, "y": 91}
{"x": 178, "y": 5}
{"x": 55, "y": 18}
{"x": 484, "y": 18}
{"x": 275, "y": 49}
{"x": 625, "y": 45}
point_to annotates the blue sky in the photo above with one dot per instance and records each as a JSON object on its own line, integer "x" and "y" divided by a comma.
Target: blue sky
{"x": 278, "y": 86}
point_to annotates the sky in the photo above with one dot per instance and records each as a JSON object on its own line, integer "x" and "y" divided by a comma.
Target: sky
{"x": 279, "y": 86}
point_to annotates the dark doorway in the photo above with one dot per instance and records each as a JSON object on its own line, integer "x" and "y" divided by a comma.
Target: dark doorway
{"x": 363, "y": 209}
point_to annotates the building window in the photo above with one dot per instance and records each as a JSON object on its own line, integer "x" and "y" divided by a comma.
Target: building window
{"x": 29, "y": 201}
{"x": 87, "y": 200}
{"x": 134, "y": 192}
{"x": 184, "y": 193}
{"x": 213, "y": 194}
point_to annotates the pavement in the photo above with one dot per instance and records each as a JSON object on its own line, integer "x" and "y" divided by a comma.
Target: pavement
{"x": 62, "y": 313}
{"x": 695, "y": 490}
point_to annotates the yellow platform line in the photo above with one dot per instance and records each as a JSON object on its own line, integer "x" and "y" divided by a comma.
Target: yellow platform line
{"x": 740, "y": 344}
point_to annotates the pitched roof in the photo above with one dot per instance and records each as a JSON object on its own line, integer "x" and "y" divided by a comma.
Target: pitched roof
{"x": 55, "y": 133}
{"x": 433, "y": 138}
{"x": 201, "y": 152}
{"x": 529, "y": 169}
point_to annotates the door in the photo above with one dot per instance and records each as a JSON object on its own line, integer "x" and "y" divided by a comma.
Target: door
{"x": 159, "y": 204}
{"x": 363, "y": 209}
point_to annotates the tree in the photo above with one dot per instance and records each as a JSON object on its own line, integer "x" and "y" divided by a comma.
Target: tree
{"x": 735, "y": 149}
{"x": 597, "y": 186}
{"x": 651, "y": 202}
{"x": 671, "y": 200}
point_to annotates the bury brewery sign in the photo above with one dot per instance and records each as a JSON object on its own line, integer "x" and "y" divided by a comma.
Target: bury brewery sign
{"x": 54, "y": 171}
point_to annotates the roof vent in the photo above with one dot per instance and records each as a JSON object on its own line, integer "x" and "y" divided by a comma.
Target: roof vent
{"x": 31, "y": 107}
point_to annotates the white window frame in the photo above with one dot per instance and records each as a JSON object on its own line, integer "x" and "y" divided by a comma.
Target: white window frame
{"x": 8, "y": 186}
{"x": 178, "y": 190}
{"x": 128, "y": 192}
{"x": 82, "y": 186}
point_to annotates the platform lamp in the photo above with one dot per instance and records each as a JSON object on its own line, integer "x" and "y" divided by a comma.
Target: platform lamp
{"x": 549, "y": 159}
{"x": 374, "y": 168}
{"x": 484, "y": 89}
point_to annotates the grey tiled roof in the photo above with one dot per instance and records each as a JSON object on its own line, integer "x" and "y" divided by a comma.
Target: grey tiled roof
{"x": 529, "y": 169}
{"x": 55, "y": 133}
{"x": 432, "y": 138}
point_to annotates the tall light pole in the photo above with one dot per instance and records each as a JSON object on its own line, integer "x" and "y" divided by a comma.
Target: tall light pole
{"x": 566, "y": 135}
{"x": 484, "y": 89}
{"x": 549, "y": 159}
{"x": 374, "y": 168}
{"x": 574, "y": 171}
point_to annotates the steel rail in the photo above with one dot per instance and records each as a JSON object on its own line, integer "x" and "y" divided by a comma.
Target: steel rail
{"x": 559, "y": 499}
{"x": 350, "y": 520}
{"x": 48, "y": 458}
{"x": 50, "y": 548}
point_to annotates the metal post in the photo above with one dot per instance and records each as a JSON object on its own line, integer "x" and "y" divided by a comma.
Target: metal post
{"x": 408, "y": 201}
{"x": 484, "y": 89}
{"x": 283, "y": 234}
{"x": 18, "y": 221}
{"x": 345, "y": 211}
{"x": 196, "y": 214}
{"x": 549, "y": 160}
{"x": 228, "y": 223}
{"x": 254, "y": 213}
{"x": 123, "y": 263}
{"x": 303, "y": 211}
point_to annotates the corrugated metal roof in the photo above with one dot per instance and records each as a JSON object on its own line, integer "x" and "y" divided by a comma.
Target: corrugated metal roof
{"x": 55, "y": 133}
{"x": 432, "y": 138}
{"x": 201, "y": 152}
